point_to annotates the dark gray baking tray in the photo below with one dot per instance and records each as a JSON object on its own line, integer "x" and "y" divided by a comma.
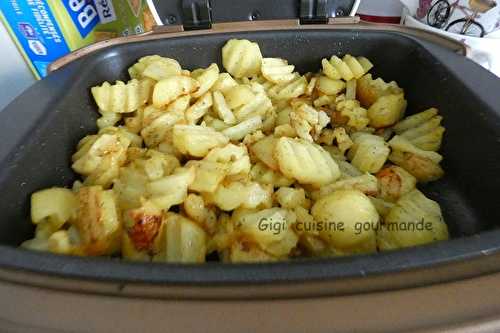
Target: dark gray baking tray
{"x": 40, "y": 129}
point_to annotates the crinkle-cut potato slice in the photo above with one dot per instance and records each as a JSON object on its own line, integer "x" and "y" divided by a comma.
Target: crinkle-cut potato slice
{"x": 206, "y": 79}
{"x": 248, "y": 126}
{"x": 423, "y": 130}
{"x": 291, "y": 89}
{"x": 121, "y": 97}
{"x": 228, "y": 152}
{"x": 98, "y": 222}
{"x": 369, "y": 152}
{"x": 401, "y": 227}
{"x": 169, "y": 89}
{"x": 277, "y": 70}
{"x": 108, "y": 119}
{"x": 263, "y": 150}
{"x": 276, "y": 243}
{"x": 56, "y": 205}
{"x": 387, "y": 110}
{"x": 154, "y": 67}
{"x": 241, "y": 58}
{"x": 368, "y": 90}
{"x": 306, "y": 162}
{"x": 415, "y": 120}
{"x": 422, "y": 168}
{"x": 197, "y": 140}
{"x": 347, "y": 68}
{"x": 399, "y": 143}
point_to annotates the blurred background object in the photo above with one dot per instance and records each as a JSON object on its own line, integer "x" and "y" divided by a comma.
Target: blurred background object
{"x": 14, "y": 72}
{"x": 382, "y": 11}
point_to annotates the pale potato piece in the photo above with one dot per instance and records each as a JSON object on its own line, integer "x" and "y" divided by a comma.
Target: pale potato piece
{"x": 369, "y": 152}
{"x": 241, "y": 58}
{"x": 260, "y": 105}
{"x": 171, "y": 190}
{"x": 224, "y": 83}
{"x": 244, "y": 128}
{"x": 366, "y": 183}
{"x": 169, "y": 89}
{"x": 199, "y": 109}
{"x": 121, "y": 97}
{"x": 186, "y": 242}
{"x": 291, "y": 89}
{"x": 401, "y": 144}
{"x": 209, "y": 174}
{"x": 206, "y": 79}
{"x": 422, "y": 129}
{"x": 271, "y": 229}
{"x": 174, "y": 139}
{"x": 222, "y": 109}
{"x": 342, "y": 67}
{"x": 329, "y": 70}
{"x": 387, "y": 110}
{"x": 197, "y": 140}
{"x": 277, "y": 70}
{"x": 235, "y": 157}
{"x": 305, "y": 161}
{"x": 58, "y": 205}
{"x": 154, "y": 67}
{"x": 415, "y": 120}
{"x": 290, "y": 198}
{"x": 264, "y": 151}
{"x": 264, "y": 175}
{"x": 238, "y": 96}
{"x": 414, "y": 220}
{"x": 345, "y": 213}
{"x": 238, "y": 194}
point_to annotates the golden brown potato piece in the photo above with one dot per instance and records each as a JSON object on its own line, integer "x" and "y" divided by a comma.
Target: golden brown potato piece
{"x": 368, "y": 90}
{"x": 395, "y": 182}
{"x": 98, "y": 221}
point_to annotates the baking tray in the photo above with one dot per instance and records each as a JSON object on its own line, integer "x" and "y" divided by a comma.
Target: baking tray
{"x": 40, "y": 129}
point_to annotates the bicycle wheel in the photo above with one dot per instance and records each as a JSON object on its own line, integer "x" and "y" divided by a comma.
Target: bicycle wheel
{"x": 438, "y": 14}
{"x": 475, "y": 29}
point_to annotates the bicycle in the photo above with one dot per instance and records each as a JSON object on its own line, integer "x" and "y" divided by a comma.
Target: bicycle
{"x": 439, "y": 14}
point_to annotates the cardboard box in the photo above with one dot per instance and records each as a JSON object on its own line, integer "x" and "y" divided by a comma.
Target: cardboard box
{"x": 45, "y": 30}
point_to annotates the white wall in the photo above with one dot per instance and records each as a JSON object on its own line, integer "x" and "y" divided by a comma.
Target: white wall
{"x": 15, "y": 76}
